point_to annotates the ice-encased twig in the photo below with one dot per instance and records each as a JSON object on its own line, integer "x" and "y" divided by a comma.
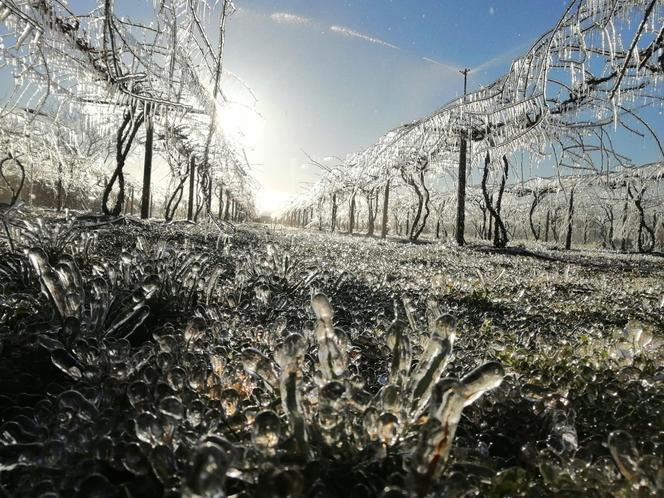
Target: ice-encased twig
{"x": 290, "y": 357}
{"x": 332, "y": 358}
{"x": 399, "y": 342}
{"x": 433, "y": 363}
{"x": 447, "y": 403}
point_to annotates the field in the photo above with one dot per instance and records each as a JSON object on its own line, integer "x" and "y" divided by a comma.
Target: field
{"x": 151, "y": 359}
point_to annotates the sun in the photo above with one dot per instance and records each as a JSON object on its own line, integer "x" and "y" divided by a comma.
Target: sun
{"x": 271, "y": 202}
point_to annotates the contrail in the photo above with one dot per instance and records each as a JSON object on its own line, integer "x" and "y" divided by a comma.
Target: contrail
{"x": 285, "y": 17}
{"x": 349, "y": 32}
{"x": 438, "y": 63}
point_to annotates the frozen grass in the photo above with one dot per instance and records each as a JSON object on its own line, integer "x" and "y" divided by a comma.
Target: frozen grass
{"x": 182, "y": 360}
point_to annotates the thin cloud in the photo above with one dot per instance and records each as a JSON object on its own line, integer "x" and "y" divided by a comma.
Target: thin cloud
{"x": 504, "y": 59}
{"x": 449, "y": 67}
{"x": 285, "y": 17}
{"x": 354, "y": 34}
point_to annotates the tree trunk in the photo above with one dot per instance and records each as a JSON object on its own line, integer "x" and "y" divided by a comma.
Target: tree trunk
{"x": 386, "y": 203}
{"x": 484, "y": 227}
{"x": 546, "y": 226}
{"x": 16, "y": 192}
{"x": 537, "y": 197}
{"x": 202, "y": 190}
{"x": 650, "y": 243}
{"x": 424, "y": 204}
{"x": 228, "y": 204}
{"x": 612, "y": 244}
{"x": 221, "y": 201}
{"x": 173, "y": 202}
{"x": 623, "y": 241}
{"x": 124, "y": 139}
{"x": 500, "y": 233}
{"x": 209, "y": 196}
{"x": 351, "y": 216}
{"x": 333, "y": 222}
{"x": 570, "y": 221}
{"x": 418, "y": 213}
{"x": 554, "y": 225}
{"x": 370, "y": 217}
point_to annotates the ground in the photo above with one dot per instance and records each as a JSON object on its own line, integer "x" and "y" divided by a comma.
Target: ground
{"x": 146, "y": 359}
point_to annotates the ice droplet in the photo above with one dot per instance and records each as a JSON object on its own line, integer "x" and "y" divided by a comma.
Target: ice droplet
{"x": 207, "y": 472}
{"x": 256, "y": 363}
{"x": 624, "y": 453}
{"x": 267, "y": 429}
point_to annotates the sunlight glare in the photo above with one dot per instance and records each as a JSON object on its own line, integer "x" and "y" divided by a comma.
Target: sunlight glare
{"x": 271, "y": 202}
{"x": 241, "y": 123}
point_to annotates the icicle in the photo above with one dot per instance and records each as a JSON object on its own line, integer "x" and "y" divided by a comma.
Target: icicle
{"x": 24, "y": 35}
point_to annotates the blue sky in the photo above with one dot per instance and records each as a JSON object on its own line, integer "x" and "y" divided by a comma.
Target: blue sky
{"x": 332, "y": 76}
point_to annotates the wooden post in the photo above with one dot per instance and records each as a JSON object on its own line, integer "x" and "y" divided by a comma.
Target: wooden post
{"x": 192, "y": 184}
{"x": 461, "y": 190}
{"x": 461, "y": 195}
{"x": 146, "y": 198}
{"x": 58, "y": 201}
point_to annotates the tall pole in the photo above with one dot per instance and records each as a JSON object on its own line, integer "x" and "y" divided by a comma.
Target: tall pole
{"x": 192, "y": 183}
{"x": 147, "y": 167}
{"x": 461, "y": 192}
